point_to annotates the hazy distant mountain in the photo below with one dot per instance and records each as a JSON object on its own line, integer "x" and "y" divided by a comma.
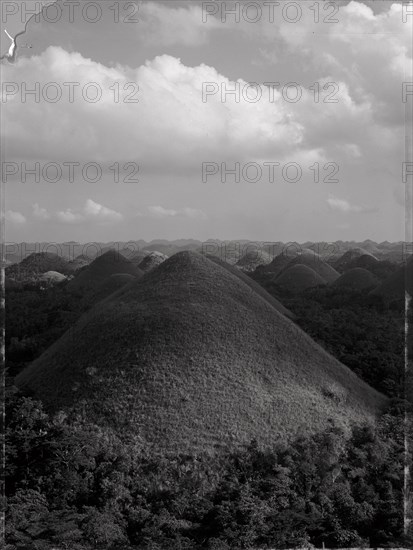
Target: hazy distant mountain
{"x": 169, "y": 249}
{"x": 190, "y": 357}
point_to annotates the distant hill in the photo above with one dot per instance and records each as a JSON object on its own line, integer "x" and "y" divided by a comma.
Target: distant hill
{"x": 395, "y": 286}
{"x": 356, "y": 278}
{"x": 252, "y": 259}
{"x": 370, "y": 246}
{"x": 283, "y": 259}
{"x": 229, "y": 252}
{"x": 351, "y": 257}
{"x": 80, "y": 261}
{"x": 169, "y": 249}
{"x": 37, "y": 263}
{"x": 298, "y": 277}
{"x": 379, "y": 268}
{"x": 135, "y": 257}
{"x": 53, "y": 277}
{"x": 316, "y": 263}
{"x": 189, "y": 358}
{"x": 152, "y": 260}
{"x": 103, "y": 266}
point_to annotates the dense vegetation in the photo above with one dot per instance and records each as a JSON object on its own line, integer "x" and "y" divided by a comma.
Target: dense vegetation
{"x": 361, "y": 331}
{"x": 72, "y": 486}
{"x": 35, "y": 318}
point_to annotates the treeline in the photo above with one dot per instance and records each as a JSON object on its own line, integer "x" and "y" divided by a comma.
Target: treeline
{"x": 77, "y": 487}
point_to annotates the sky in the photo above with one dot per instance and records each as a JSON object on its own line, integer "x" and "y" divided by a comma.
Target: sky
{"x": 280, "y": 121}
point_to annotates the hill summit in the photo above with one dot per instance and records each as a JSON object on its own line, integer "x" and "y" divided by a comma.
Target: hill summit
{"x": 109, "y": 263}
{"x": 252, "y": 259}
{"x": 152, "y": 260}
{"x": 356, "y": 278}
{"x": 314, "y": 261}
{"x": 299, "y": 277}
{"x": 190, "y": 357}
{"x": 351, "y": 258}
{"x": 38, "y": 263}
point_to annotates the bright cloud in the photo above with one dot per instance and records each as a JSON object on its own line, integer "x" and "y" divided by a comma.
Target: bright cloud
{"x": 95, "y": 211}
{"x": 15, "y": 217}
{"x": 187, "y": 212}
{"x": 40, "y": 213}
{"x": 167, "y": 125}
{"x": 90, "y": 212}
{"x": 170, "y": 126}
{"x": 161, "y": 211}
{"x": 345, "y": 206}
{"x": 194, "y": 213}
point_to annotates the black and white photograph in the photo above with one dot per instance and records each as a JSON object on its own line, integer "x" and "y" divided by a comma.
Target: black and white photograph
{"x": 206, "y": 274}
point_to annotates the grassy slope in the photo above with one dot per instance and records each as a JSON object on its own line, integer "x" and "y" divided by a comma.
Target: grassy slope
{"x": 298, "y": 277}
{"x": 252, "y": 259}
{"x": 110, "y": 285}
{"x": 102, "y": 267}
{"x": 315, "y": 262}
{"x": 357, "y": 278}
{"x": 351, "y": 256}
{"x": 189, "y": 358}
{"x": 152, "y": 260}
{"x": 38, "y": 263}
{"x": 279, "y": 263}
{"x": 254, "y": 286}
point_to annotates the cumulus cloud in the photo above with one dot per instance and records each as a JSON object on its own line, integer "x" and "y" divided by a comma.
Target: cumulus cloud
{"x": 169, "y": 127}
{"x": 95, "y": 211}
{"x": 68, "y": 216}
{"x": 90, "y": 212}
{"x": 371, "y": 52}
{"x": 343, "y": 205}
{"x": 40, "y": 213}
{"x": 161, "y": 211}
{"x": 194, "y": 213}
{"x": 172, "y": 128}
{"x": 15, "y": 217}
{"x": 187, "y": 212}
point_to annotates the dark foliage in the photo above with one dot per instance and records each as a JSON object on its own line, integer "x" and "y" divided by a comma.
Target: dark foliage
{"x": 360, "y": 330}
{"x": 76, "y": 487}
